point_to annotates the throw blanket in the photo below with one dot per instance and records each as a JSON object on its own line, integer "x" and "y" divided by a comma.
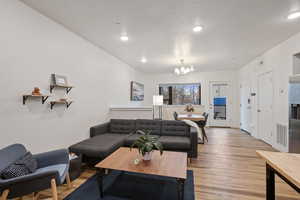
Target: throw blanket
{"x": 193, "y": 124}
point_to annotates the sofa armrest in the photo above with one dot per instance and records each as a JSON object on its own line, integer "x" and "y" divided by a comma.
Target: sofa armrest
{"x": 194, "y": 143}
{"x": 52, "y": 158}
{"x": 99, "y": 129}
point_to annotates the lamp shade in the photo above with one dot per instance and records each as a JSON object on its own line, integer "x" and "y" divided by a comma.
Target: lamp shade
{"x": 158, "y": 100}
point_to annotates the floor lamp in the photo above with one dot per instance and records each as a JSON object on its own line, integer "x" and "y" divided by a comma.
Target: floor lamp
{"x": 158, "y": 100}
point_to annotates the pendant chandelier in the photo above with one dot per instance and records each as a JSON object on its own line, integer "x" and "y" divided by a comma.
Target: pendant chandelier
{"x": 183, "y": 69}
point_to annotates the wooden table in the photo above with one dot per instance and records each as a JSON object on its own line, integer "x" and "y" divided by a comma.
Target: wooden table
{"x": 192, "y": 117}
{"x": 285, "y": 165}
{"x": 170, "y": 164}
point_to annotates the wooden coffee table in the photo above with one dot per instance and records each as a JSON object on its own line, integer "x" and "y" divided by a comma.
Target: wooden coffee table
{"x": 170, "y": 164}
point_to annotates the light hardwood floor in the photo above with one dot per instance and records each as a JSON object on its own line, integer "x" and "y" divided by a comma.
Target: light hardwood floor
{"x": 227, "y": 168}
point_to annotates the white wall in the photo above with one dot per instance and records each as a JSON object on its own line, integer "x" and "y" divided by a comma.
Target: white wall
{"x": 279, "y": 60}
{"x": 204, "y": 78}
{"x": 32, "y": 47}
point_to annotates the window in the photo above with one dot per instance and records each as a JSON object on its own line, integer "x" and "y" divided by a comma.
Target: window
{"x": 181, "y": 94}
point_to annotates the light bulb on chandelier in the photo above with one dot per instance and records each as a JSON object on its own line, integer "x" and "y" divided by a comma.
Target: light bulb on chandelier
{"x": 183, "y": 69}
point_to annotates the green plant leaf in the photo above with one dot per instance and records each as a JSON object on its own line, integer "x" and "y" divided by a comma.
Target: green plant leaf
{"x": 159, "y": 147}
{"x": 147, "y": 142}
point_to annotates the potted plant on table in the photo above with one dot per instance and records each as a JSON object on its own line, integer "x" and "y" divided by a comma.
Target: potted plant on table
{"x": 146, "y": 144}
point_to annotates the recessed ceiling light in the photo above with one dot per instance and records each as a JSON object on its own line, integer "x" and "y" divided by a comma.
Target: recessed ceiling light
{"x": 143, "y": 60}
{"x": 197, "y": 29}
{"x": 124, "y": 38}
{"x": 294, "y": 15}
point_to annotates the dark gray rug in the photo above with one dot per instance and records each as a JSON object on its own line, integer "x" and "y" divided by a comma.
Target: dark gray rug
{"x": 132, "y": 186}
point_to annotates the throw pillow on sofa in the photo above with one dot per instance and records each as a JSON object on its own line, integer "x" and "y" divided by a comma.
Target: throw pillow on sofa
{"x": 23, "y": 166}
{"x": 28, "y": 161}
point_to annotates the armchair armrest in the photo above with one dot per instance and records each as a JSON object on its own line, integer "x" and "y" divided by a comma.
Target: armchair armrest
{"x": 52, "y": 158}
{"x": 194, "y": 143}
{"x": 24, "y": 185}
{"x": 99, "y": 129}
{"x": 24, "y": 179}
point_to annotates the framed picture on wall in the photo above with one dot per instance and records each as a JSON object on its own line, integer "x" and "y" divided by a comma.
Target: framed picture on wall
{"x": 59, "y": 80}
{"x": 136, "y": 91}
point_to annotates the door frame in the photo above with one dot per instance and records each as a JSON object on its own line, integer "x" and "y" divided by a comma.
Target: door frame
{"x": 250, "y": 120}
{"x": 229, "y": 103}
{"x": 259, "y": 134}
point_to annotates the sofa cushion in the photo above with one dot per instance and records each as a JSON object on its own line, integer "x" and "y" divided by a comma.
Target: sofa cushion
{"x": 174, "y": 128}
{"x": 10, "y": 154}
{"x": 14, "y": 170}
{"x": 176, "y": 143}
{"x": 148, "y": 124}
{"x": 130, "y": 140}
{"x": 99, "y": 146}
{"x": 123, "y": 126}
{"x": 23, "y": 166}
{"x": 28, "y": 161}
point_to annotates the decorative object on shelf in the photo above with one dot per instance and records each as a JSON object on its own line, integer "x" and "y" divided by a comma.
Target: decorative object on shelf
{"x": 136, "y": 91}
{"x": 26, "y": 96}
{"x": 183, "y": 69}
{"x": 158, "y": 100}
{"x": 146, "y": 144}
{"x": 36, "y": 91}
{"x": 59, "y": 81}
{"x": 61, "y": 101}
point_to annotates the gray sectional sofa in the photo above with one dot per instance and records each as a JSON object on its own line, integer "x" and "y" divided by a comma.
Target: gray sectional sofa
{"x": 108, "y": 137}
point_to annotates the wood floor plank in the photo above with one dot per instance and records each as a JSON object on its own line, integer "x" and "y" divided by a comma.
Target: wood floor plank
{"x": 227, "y": 168}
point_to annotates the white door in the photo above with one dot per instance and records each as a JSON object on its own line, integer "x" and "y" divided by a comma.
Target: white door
{"x": 245, "y": 107}
{"x": 220, "y": 93}
{"x": 265, "y": 103}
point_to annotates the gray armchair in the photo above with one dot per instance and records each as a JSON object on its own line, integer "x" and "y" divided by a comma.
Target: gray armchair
{"x": 52, "y": 170}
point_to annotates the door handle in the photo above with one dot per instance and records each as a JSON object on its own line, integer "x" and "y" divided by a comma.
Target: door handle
{"x": 258, "y": 110}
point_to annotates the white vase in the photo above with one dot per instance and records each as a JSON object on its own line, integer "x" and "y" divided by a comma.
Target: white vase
{"x": 147, "y": 156}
